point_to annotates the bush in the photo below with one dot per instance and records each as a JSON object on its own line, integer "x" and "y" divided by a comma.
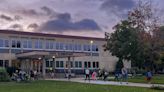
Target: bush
{"x": 157, "y": 87}
{"x": 4, "y": 77}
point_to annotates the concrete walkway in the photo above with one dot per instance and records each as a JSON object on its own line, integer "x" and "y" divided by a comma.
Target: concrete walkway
{"x": 80, "y": 80}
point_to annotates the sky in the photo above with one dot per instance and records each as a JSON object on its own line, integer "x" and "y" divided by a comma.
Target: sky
{"x": 69, "y": 17}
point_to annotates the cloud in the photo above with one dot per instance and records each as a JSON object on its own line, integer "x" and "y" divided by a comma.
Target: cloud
{"x": 29, "y": 12}
{"x": 16, "y": 27}
{"x": 33, "y": 26}
{"x": 47, "y": 10}
{"x": 6, "y": 17}
{"x": 118, "y": 7}
{"x": 64, "y": 23}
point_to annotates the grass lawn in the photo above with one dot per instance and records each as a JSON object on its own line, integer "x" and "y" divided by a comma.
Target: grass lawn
{"x": 56, "y": 86}
{"x": 157, "y": 79}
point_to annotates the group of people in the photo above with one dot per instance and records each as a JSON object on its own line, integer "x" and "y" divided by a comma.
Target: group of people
{"x": 20, "y": 75}
{"x": 94, "y": 75}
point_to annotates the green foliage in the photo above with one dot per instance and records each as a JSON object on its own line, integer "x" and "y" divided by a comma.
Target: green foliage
{"x": 4, "y": 75}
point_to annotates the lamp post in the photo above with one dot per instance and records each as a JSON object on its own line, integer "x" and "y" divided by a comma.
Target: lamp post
{"x": 53, "y": 57}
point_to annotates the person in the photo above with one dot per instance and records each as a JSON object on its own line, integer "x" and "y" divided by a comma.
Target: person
{"x": 116, "y": 75}
{"x": 35, "y": 75}
{"x": 124, "y": 74}
{"x": 94, "y": 74}
{"x": 32, "y": 75}
{"x": 105, "y": 75}
{"x": 149, "y": 76}
{"x": 87, "y": 74}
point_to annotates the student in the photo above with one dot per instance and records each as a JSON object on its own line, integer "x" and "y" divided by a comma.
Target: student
{"x": 116, "y": 75}
{"x": 87, "y": 74}
{"x": 105, "y": 75}
{"x": 124, "y": 75}
{"x": 94, "y": 74}
{"x": 149, "y": 76}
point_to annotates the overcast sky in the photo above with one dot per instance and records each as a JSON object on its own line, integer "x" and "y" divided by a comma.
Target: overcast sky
{"x": 70, "y": 17}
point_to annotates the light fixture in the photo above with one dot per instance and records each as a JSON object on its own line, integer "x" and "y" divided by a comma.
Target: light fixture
{"x": 91, "y": 41}
{"x": 53, "y": 57}
{"x": 39, "y": 58}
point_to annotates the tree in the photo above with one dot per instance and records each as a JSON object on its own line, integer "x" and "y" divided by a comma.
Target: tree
{"x": 134, "y": 39}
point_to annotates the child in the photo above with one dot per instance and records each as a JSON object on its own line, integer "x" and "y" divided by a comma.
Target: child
{"x": 94, "y": 74}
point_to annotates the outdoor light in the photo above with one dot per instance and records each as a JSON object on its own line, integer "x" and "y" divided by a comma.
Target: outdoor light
{"x": 91, "y": 41}
{"x": 39, "y": 58}
{"x": 53, "y": 57}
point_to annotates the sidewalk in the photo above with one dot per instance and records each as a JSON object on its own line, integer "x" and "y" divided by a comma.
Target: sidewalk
{"x": 80, "y": 80}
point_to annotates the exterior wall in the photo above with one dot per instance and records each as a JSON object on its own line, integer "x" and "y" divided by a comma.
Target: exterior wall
{"x": 106, "y": 61}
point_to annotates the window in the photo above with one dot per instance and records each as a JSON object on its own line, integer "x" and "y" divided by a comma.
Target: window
{"x": 16, "y": 44}
{"x": 4, "y": 43}
{"x": 38, "y": 44}
{"x": 59, "y": 64}
{"x": 1, "y": 63}
{"x": 78, "y": 64}
{"x": 94, "y": 48}
{"x": 86, "y": 47}
{"x": 85, "y": 65}
{"x": 62, "y": 46}
{"x": 57, "y": 46}
{"x": 49, "y": 44}
{"x": 49, "y": 63}
{"x": 94, "y": 64}
{"x": 70, "y": 47}
{"x": 6, "y": 63}
{"x": 89, "y": 64}
{"x": 66, "y": 46}
{"x": 72, "y": 64}
{"x": 77, "y": 47}
{"x": 1, "y": 43}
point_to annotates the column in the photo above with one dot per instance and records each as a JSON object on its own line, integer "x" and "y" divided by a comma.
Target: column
{"x": 43, "y": 67}
{"x": 69, "y": 66}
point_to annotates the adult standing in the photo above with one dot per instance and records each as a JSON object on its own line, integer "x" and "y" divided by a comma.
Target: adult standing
{"x": 124, "y": 74}
{"x": 87, "y": 74}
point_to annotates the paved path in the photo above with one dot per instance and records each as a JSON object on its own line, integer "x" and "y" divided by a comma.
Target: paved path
{"x": 80, "y": 80}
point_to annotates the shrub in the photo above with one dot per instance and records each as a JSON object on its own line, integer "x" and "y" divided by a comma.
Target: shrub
{"x": 157, "y": 87}
{"x": 4, "y": 75}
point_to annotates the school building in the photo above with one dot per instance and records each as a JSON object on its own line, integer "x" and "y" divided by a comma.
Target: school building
{"x": 41, "y": 52}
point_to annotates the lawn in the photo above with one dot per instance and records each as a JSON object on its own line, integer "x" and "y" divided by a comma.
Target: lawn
{"x": 56, "y": 86}
{"x": 157, "y": 79}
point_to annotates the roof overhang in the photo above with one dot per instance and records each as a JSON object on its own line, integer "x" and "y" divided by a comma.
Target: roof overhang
{"x": 57, "y": 54}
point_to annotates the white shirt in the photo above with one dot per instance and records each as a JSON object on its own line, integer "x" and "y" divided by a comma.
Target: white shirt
{"x": 86, "y": 71}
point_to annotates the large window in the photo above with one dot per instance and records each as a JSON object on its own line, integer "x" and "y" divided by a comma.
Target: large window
{"x": 1, "y": 63}
{"x": 49, "y": 44}
{"x": 60, "y": 46}
{"x": 87, "y": 64}
{"x": 27, "y": 44}
{"x": 77, "y": 47}
{"x": 16, "y": 43}
{"x": 49, "y": 63}
{"x": 94, "y": 48}
{"x": 78, "y": 64}
{"x": 39, "y": 44}
{"x": 57, "y": 46}
{"x": 95, "y": 64}
{"x": 86, "y": 47}
{"x": 4, "y": 63}
{"x": 59, "y": 64}
{"x": 4, "y": 43}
